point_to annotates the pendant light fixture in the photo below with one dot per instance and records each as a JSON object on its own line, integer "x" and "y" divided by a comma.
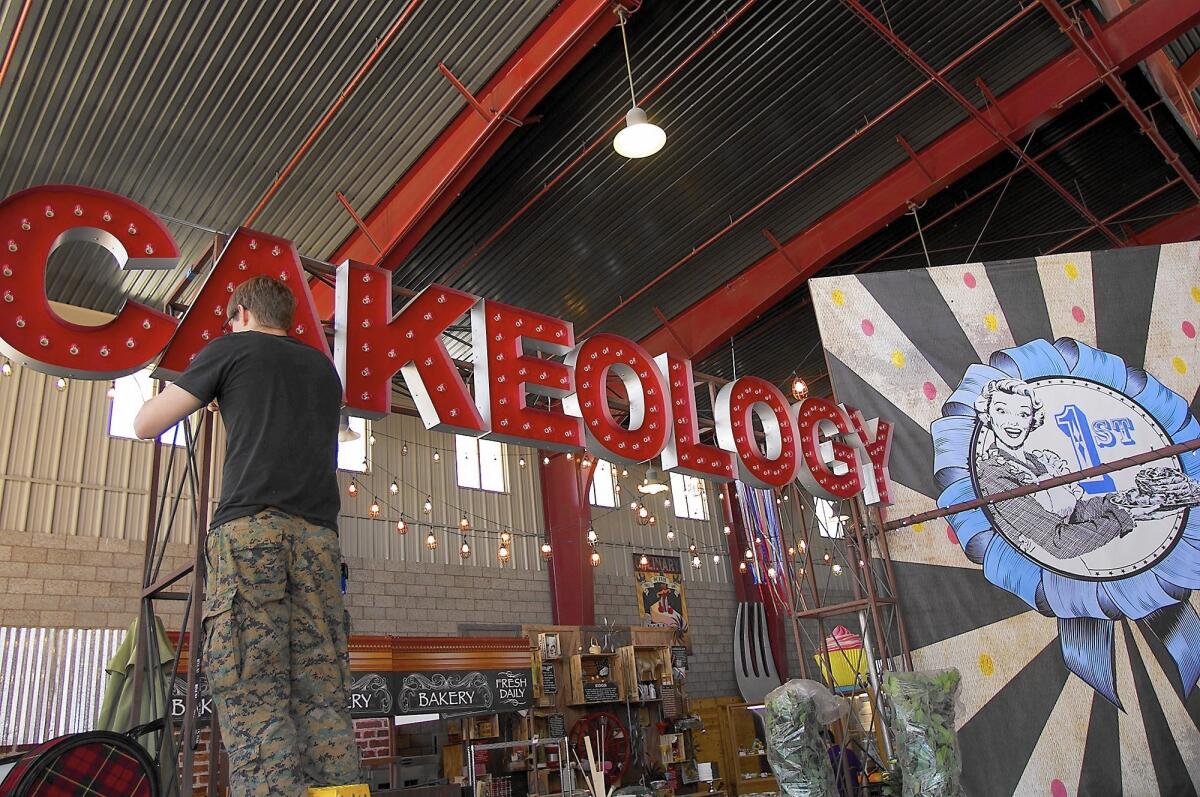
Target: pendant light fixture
{"x": 654, "y": 483}
{"x": 640, "y": 138}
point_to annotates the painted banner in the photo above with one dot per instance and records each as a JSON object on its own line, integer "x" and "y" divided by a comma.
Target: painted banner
{"x": 1070, "y": 611}
{"x": 661, "y": 602}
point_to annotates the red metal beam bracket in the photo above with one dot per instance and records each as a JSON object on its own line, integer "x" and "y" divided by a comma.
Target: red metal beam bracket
{"x": 487, "y": 115}
{"x": 992, "y": 103}
{"x": 913, "y": 156}
{"x": 1130, "y": 37}
{"x": 666, "y": 323}
{"x": 770, "y": 236}
{"x": 357, "y": 219}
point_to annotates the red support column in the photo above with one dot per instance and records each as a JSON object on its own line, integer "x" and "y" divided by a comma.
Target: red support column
{"x": 567, "y": 515}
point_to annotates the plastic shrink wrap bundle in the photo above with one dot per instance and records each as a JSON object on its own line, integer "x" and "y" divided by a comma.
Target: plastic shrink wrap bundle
{"x": 923, "y": 708}
{"x": 795, "y": 715}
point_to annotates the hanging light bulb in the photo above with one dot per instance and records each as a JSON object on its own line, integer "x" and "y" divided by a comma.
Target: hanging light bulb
{"x": 803, "y": 545}
{"x": 427, "y": 506}
{"x": 862, "y": 563}
{"x": 791, "y": 550}
{"x": 591, "y": 535}
{"x": 465, "y": 550}
{"x": 799, "y": 389}
{"x": 437, "y": 455}
{"x": 727, "y": 531}
{"x": 547, "y": 551}
{"x": 585, "y": 463}
{"x": 643, "y": 512}
{"x": 595, "y": 558}
{"x": 502, "y": 553}
{"x": 741, "y": 567}
{"x": 570, "y": 456}
{"x": 652, "y": 520}
{"x": 749, "y": 553}
{"x": 639, "y": 139}
{"x": 696, "y": 563}
{"x": 60, "y": 384}
{"x": 521, "y": 461}
{"x": 401, "y": 526}
{"x": 111, "y": 392}
{"x": 463, "y": 523}
{"x": 716, "y": 559}
{"x": 505, "y": 538}
{"x": 666, "y": 502}
{"x": 624, "y": 472}
{"x": 771, "y": 572}
{"x": 644, "y": 561}
{"x": 721, "y": 496}
{"x": 393, "y": 488}
{"x": 778, "y": 501}
{"x": 692, "y": 548}
{"x": 633, "y": 505}
{"x": 371, "y": 440}
{"x": 827, "y": 557}
{"x": 352, "y": 489}
{"x": 786, "y": 497}
{"x": 617, "y": 487}
{"x": 670, "y": 535}
{"x": 6, "y": 369}
{"x": 837, "y": 570}
{"x": 373, "y": 510}
{"x": 545, "y": 460}
{"x": 431, "y": 542}
{"x": 404, "y": 450}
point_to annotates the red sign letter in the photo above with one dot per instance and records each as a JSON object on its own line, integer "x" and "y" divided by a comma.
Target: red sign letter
{"x": 684, "y": 453}
{"x": 876, "y": 439}
{"x": 831, "y": 468}
{"x": 736, "y": 402}
{"x": 504, "y": 374}
{"x": 248, "y": 254}
{"x": 372, "y": 346}
{"x": 649, "y": 414}
{"x": 33, "y": 224}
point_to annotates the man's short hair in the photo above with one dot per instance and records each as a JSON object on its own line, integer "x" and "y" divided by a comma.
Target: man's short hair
{"x": 272, "y": 304}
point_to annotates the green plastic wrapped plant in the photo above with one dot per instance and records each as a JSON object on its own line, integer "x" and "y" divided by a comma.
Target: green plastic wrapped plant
{"x": 923, "y": 705}
{"x": 794, "y": 716}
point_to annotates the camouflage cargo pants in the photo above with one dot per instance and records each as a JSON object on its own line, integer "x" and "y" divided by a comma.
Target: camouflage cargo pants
{"x": 276, "y": 655}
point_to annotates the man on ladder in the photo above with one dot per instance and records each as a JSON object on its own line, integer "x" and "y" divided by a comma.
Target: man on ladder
{"x": 275, "y": 628}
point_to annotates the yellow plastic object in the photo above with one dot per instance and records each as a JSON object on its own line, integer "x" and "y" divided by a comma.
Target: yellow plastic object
{"x": 847, "y": 666}
{"x": 355, "y": 790}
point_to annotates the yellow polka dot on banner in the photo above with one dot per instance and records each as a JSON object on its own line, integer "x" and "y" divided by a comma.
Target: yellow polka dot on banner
{"x": 918, "y": 527}
{"x": 898, "y": 358}
{"x": 838, "y": 297}
{"x": 1179, "y": 365}
{"x": 1196, "y": 293}
{"x": 1072, "y": 270}
{"x": 986, "y": 666}
{"x": 990, "y": 321}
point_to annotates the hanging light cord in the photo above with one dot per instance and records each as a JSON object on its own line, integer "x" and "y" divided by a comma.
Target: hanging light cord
{"x": 625, "y": 43}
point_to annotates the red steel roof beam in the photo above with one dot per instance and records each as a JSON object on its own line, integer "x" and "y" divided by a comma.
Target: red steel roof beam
{"x": 1104, "y": 69}
{"x": 1183, "y": 226}
{"x": 408, "y": 211}
{"x": 12, "y": 41}
{"x": 888, "y": 35}
{"x": 1129, "y": 38}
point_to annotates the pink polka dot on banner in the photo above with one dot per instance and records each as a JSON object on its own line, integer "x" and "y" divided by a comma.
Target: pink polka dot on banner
{"x": 1077, "y": 314}
{"x": 1188, "y": 328}
{"x": 950, "y": 535}
{"x": 1057, "y": 789}
{"x": 930, "y": 391}
{"x": 867, "y": 327}
{"x": 969, "y": 279}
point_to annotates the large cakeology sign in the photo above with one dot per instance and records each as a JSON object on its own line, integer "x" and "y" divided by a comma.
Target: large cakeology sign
{"x": 832, "y": 449}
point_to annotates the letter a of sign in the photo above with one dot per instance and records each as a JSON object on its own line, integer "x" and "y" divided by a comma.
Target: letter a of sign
{"x": 33, "y": 224}
{"x": 370, "y": 347}
{"x": 248, "y": 254}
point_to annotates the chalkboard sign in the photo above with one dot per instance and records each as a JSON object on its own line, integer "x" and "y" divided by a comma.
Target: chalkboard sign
{"x": 601, "y": 693}
{"x": 549, "y": 679}
{"x": 558, "y": 726}
{"x": 679, "y": 657}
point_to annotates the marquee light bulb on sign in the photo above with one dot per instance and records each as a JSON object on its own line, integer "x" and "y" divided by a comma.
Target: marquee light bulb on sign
{"x": 831, "y": 448}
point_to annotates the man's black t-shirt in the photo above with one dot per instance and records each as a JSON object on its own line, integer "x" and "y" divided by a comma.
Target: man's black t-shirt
{"x": 280, "y": 401}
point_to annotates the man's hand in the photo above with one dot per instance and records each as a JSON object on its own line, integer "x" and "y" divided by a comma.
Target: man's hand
{"x": 164, "y": 411}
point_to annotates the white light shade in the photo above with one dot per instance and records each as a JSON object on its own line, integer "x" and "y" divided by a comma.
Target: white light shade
{"x": 639, "y": 139}
{"x": 654, "y": 483}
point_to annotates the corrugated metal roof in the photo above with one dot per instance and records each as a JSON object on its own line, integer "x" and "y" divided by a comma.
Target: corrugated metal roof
{"x": 780, "y": 88}
{"x": 192, "y": 109}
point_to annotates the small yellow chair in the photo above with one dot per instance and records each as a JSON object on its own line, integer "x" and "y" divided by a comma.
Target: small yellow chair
{"x": 355, "y": 790}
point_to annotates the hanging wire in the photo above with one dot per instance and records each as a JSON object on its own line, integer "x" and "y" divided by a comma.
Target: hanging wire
{"x": 920, "y": 233}
{"x": 622, "y": 15}
{"x": 996, "y": 205}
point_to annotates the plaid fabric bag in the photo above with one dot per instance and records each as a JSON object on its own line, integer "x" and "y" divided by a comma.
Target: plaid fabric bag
{"x": 93, "y": 764}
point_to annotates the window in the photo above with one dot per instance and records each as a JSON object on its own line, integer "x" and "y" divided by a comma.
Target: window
{"x": 689, "y": 496}
{"x": 129, "y": 394}
{"x": 603, "y": 491}
{"x": 829, "y": 520}
{"x": 480, "y": 464}
{"x": 352, "y": 454}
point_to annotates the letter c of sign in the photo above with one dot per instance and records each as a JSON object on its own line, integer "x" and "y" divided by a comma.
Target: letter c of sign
{"x": 34, "y": 223}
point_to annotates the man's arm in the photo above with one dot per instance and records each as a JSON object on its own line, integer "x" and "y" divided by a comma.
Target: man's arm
{"x": 164, "y": 411}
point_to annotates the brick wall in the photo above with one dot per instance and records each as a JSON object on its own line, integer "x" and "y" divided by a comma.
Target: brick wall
{"x": 374, "y": 739}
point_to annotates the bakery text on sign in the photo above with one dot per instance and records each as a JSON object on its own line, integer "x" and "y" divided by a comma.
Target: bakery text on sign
{"x": 832, "y": 449}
